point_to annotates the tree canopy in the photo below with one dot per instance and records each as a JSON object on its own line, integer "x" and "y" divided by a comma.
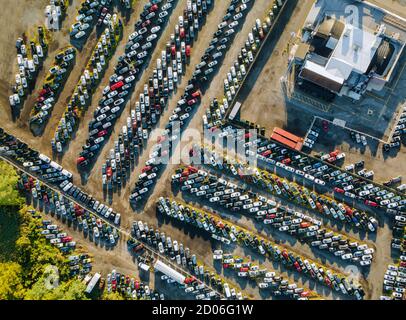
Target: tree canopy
{"x": 9, "y": 195}
{"x": 24, "y": 268}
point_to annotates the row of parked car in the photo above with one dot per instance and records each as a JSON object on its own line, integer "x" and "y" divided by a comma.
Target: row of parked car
{"x": 265, "y": 279}
{"x": 210, "y": 62}
{"x": 398, "y": 242}
{"x": 311, "y": 138}
{"x": 53, "y": 84}
{"x": 182, "y": 256}
{"x": 153, "y": 100}
{"x": 394, "y": 283}
{"x": 226, "y": 194}
{"x": 87, "y": 85}
{"x": 279, "y": 186}
{"x": 40, "y": 165}
{"x": 122, "y": 82}
{"x": 398, "y": 133}
{"x": 236, "y": 76}
{"x": 129, "y": 287}
{"x": 90, "y": 13}
{"x": 319, "y": 172}
{"x": 79, "y": 264}
{"x": 30, "y": 58}
{"x": 227, "y": 233}
{"x": 70, "y": 212}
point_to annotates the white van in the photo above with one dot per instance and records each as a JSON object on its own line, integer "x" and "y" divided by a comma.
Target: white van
{"x": 67, "y": 187}
{"x": 66, "y": 173}
{"x": 227, "y": 291}
{"x": 402, "y": 187}
{"x": 44, "y": 158}
{"x": 56, "y": 166}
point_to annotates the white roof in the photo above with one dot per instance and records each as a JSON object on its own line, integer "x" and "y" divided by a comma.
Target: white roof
{"x": 314, "y": 67}
{"x": 92, "y": 283}
{"x": 356, "y": 47}
{"x": 171, "y": 273}
{"x": 339, "y": 68}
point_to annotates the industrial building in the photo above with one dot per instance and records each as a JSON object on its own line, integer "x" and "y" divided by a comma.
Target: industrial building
{"x": 348, "y": 47}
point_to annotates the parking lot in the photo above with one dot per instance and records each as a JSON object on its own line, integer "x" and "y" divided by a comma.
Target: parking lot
{"x": 263, "y": 103}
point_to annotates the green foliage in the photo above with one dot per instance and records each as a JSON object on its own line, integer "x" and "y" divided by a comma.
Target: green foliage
{"x": 25, "y": 254}
{"x": 11, "y": 286}
{"x": 33, "y": 251}
{"x": 9, "y": 195}
{"x": 112, "y": 296}
{"x": 69, "y": 290}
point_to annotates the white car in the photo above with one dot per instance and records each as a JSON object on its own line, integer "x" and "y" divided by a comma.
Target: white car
{"x": 346, "y": 256}
{"x": 155, "y": 29}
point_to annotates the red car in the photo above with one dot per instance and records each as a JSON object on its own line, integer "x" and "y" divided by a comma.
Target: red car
{"x": 297, "y": 266}
{"x": 191, "y": 102}
{"x": 109, "y": 172}
{"x": 145, "y": 169}
{"x": 220, "y": 225}
{"x": 305, "y": 225}
{"x": 339, "y": 190}
{"x": 196, "y": 94}
{"x": 188, "y": 51}
{"x": 102, "y": 133}
{"x": 182, "y": 33}
{"x": 266, "y": 153}
{"x": 80, "y": 160}
{"x": 153, "y": 8}
{"x": 173, "y": 50}
{"x": 67, "y": 239}
{"x": 116, "y": 85}
{"x": 286, "y": 161}
{"x": 334, "y": 153}
{"x": 189, "y": 280}
{"x": 371, "y": 203}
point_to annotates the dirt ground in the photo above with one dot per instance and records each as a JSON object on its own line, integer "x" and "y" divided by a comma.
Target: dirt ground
{"x": 262, "y": 92}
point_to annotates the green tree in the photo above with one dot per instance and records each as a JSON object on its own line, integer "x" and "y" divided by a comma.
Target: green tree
{"x": 9, "y": 195}
{"x": 26, "y": 253}
{"x": 69, "y": 290}
{"x": 11, "y": 286}
{"x": 112, "y": 296}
